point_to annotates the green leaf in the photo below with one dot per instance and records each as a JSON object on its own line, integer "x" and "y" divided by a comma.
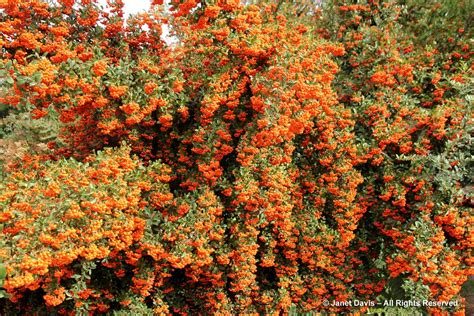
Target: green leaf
{"x": 3, "y": 271}
{"x": 36, "y": 77}
{"x": 3, "y": 274}
{"x": 21, "y": 80}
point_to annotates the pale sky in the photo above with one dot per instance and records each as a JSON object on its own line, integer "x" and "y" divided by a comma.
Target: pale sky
{"x": 132, "y": 6}
{"x": 136, "y": 6}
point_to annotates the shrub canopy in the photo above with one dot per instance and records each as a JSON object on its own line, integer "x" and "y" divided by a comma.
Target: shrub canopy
{"x": 265, "y": 156}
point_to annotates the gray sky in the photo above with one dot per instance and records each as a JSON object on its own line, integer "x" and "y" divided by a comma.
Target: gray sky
{"x": 135, "y": 6}
{"x": 132, "y": 6}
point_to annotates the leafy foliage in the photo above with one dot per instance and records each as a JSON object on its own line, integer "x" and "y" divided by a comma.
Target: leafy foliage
{"x": 274, "y": 156}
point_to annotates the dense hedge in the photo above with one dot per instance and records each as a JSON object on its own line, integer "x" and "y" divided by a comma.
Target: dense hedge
{"x": 267, "y": 156}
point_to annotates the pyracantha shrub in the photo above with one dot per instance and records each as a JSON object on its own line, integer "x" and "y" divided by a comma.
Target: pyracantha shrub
{"x": 268, "y": 156}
